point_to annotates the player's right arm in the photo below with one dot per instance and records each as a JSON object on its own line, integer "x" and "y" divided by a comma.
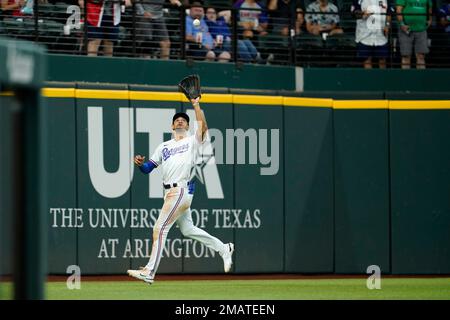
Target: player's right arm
{"x": 148, "y": 166}
{"x": 145, "y": 166}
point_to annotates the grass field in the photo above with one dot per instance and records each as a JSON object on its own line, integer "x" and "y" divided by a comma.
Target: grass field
{"x": 299, "y": 289}
{"x": 405, "y": 288}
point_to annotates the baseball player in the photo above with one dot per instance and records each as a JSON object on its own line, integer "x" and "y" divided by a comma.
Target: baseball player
{"x": 176, "y": 157}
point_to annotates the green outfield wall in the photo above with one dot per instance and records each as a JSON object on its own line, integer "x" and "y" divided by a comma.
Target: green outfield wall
{"x": 356, "y": 183}
{"x": 70, "y": 68}
{"x": 162, "y": 72}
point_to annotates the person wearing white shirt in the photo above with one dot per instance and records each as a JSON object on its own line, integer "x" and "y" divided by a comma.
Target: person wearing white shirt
{"x": 372, "y": 30}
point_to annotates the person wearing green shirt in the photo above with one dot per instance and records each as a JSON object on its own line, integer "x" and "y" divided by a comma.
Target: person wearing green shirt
{"x": 414, "y": 17}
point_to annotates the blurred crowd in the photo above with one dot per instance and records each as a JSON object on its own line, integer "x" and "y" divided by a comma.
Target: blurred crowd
{"x": 265, "y": 30}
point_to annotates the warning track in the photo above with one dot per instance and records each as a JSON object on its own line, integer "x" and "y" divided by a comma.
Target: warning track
{"x": 184, "y": 277}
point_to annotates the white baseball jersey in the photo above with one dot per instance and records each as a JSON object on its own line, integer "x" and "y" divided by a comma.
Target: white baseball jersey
{"x": 176, "y": 158}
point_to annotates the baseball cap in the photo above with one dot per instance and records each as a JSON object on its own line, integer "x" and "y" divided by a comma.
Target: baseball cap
{"x": 197, "y": 3}
{"x": 182, "y": 115}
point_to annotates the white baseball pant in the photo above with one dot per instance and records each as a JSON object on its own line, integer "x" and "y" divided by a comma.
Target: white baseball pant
{"x": 177, "y": 202}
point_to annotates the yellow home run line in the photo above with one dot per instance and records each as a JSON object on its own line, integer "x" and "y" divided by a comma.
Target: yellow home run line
{"x": 245, "y": 99}
{"x": 425, "y": 104}
{"x": 360, "y": 104}
{"x": 102, "y": 94}
{"x": 307, "y": 102}
{"x": 58, "y": 92}
{"x": 259, "y": 100}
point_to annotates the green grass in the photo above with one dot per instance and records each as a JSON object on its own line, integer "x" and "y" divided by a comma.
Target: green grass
{"x": 6, "y": 291}
{"x": 405, "y": 288}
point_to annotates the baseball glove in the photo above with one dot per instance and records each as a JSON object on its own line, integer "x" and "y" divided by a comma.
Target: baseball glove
{"x": 190, "y": 86}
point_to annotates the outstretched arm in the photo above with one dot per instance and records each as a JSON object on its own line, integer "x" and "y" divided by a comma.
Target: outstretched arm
{"x": 200, "y": 117}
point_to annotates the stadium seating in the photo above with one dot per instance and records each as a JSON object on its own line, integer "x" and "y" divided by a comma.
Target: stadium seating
{"x": 303, "y": 49}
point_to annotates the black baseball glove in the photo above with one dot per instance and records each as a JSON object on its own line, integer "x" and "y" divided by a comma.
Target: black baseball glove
{"x": 190, "y": 86}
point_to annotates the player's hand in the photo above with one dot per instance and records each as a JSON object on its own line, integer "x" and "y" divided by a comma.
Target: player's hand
{"x": 195, "y": 101}
{"x": 139, "y": 160}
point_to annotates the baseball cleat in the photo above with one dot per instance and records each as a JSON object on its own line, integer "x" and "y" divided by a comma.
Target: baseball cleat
{"x": 142, "y": 274}
{"x": 228, "y": 257}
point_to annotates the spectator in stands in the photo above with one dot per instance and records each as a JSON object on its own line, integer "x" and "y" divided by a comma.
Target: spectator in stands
{"x": 253, "y": 21}
{"x": 300, "y": 21}
{"x": 199, "y": 41}
{"x": 372, "y": 30}
{"x": 444, "y": 17}
{"x": 11, "y": 8}
{"x": 286, "y": 15}
{"x": 322, "y": 24}
{"x": 220, "y": 34}
{"x": 220, "y": 31}
{"x": 441, "y": 36}
{"x": 28, "y": 7}
{"x": 151, "y": 25}
{"x": 17, "y": 8}
{"x": 413, "y": 30}
{"x": 103, "y": 18}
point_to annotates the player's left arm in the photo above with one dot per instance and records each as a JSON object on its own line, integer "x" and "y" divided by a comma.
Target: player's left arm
{"x": 200, "y": 117}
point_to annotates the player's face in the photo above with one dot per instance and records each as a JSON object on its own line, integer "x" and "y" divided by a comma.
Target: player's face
{"x": 180, "y": 123}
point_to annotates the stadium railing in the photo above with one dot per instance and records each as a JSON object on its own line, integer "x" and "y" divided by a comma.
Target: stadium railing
{"x": 61, "y": 27}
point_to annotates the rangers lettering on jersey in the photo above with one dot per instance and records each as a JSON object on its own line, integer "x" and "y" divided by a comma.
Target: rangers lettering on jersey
{"x": 166, "y": 153}
{"x": 176, "y": 158}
